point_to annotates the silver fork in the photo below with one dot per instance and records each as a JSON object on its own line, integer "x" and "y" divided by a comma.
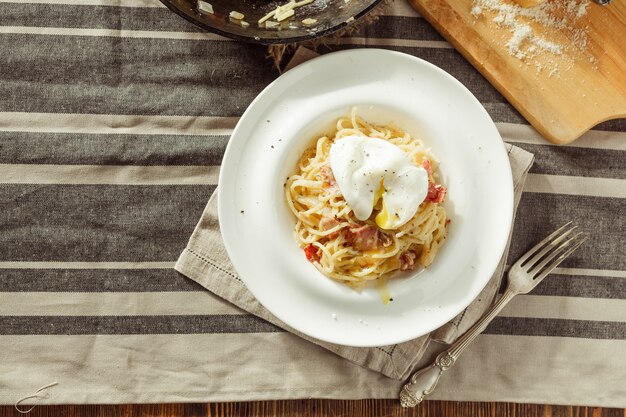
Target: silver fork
{"x": 524, "y": 275}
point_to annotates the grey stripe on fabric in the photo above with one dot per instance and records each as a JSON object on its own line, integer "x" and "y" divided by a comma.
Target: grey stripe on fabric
{"x": 197, "y": 324}
{"x": 615, "y": 125}
{"x": 95, "y": 280}
{"x": 579, "y": 286}
{"x": 110, "y": 149}
{"x": 400, "y": 27}
{"x": 582, "y": 162}
{"x": 98, "y": 222}
{"x": 531, "y": 326}
{"x": 187, "y": 324}
{"x": 106, "y": 75}
{"x": 605, "y": 248}
{"x": 93, "y": 16}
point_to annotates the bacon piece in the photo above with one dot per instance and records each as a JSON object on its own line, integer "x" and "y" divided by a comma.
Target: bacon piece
{"x": 328, "y": 222}
{"x": 312, "y": 253}
{"x": 363, "y": 238}
{"x": 385, "y": 240}
{"x": 326, "y": 173}
{"x": 436, "y": 193}
{"x": 407, "y": 261}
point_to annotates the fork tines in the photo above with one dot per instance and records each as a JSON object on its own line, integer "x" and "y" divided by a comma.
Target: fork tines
{"x": 550, "y": 252}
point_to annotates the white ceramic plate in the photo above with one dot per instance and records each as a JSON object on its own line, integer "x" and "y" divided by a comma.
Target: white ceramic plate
{"x": 282, "y": 122}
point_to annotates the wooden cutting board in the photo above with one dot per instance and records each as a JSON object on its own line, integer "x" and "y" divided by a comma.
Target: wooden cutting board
{"x": 589, "y": 86}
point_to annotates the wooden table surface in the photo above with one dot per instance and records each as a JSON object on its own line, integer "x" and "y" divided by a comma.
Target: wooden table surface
{"x": 313, "y": 408}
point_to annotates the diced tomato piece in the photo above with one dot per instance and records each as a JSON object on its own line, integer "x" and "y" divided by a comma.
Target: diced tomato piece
{"x": 312, "y": 253}
{"x": 427, "y": 167}
{"x": 442, "y": 194}
{"x": 432, "y": 191}
{"x": 436, "y": 192}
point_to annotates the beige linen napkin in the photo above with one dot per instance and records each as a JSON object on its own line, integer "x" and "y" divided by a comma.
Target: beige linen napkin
{"x": 205, "y": 261}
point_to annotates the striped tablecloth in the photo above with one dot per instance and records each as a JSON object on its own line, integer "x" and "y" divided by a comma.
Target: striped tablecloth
{"x": 114, "y": 116}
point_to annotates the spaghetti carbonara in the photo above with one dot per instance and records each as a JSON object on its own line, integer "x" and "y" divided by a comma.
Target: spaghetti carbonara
{"x": 378, "y": 233}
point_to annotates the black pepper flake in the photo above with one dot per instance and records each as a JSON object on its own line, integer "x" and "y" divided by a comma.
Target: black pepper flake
{"x": 241, "y": 211}
{"x": 268, "y": 120}
{"x": 391, "y": 299}
{"x": 272, "y": 146}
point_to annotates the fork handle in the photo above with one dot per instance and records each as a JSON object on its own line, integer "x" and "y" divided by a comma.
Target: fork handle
{"x": 424, "y": 381}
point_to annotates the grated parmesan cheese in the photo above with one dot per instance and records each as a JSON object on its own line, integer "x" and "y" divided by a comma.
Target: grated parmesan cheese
{"x": 531, "y": 29}
{"x": 309, "y": 21}
{"x": 285, "y": 15}
{"x": 548, "y": 46}
{"x": 236, "y": 15}
{"x": 283, "y": 12}
{"x": 582, "y": 10}
{"x": 205, "y": 7}
{"x": 520, "y": 34}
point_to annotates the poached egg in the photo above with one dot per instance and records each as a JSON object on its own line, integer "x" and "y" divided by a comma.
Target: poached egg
{"x": 369, "y": 169}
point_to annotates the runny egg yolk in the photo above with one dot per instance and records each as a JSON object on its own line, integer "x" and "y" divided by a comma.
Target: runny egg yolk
{"x": 382, "y": 219}
{"x": 368, "y": 170}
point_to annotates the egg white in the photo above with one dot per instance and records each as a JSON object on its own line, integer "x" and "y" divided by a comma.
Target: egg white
{"x": 368, "y": 169}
